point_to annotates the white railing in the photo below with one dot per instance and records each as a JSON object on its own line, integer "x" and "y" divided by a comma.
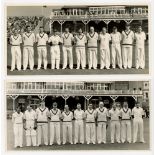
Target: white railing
{"x": 79, "y": 92}
{"x": 109, "y": 12}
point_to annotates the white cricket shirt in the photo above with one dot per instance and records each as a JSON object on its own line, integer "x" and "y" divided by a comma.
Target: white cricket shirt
{"x": 125, "y": 113}
{"x": 116, "y": 38}
{"x": 80, "y": 40}
{"x": 90, "y": 115}
{"x": 16, "y": 40}
{"x": 55, "y": 115}
{"x": 92, "y": 40}
{"x": 30, "y": 115}
{"x": 127, "y": 38}
{"x": 104, "y": 40}
{"x": 102, "y": 114}
{"x": 79, "y": 114}
{"x": 54, "y": 39}
{"x": 114, "y": 114}
{"x": 140, "y": 39}
{"x": 28, "y": 39}
{"x": 137, "y": 112}
{"x": 67, "y": 39}
{"x": 17, "y": 118}
{"x": 67, "y": 117}
{"x": 41, "y": 39}
{"x": 42, "y": 114}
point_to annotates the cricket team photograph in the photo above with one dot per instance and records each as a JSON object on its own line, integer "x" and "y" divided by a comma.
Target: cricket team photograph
{"x": 101, "y": 112}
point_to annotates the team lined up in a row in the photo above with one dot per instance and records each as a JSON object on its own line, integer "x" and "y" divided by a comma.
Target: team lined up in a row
{"x": 36, "y": 123}
{"x": 124, "y": 57}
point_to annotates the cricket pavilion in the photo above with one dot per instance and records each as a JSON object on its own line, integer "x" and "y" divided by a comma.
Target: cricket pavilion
{"x": 24, "y": 93}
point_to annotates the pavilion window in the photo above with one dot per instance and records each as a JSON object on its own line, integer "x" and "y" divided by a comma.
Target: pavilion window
{"x": 14, "y": 86}
{"x": 29, "y": 85}
{"x": 99, "y": 11}
{"x": 33, "y": 85}
{"x": 25, "y": 85}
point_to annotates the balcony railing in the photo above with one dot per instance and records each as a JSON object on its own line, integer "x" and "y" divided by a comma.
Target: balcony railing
{"x": 74, "y": 92}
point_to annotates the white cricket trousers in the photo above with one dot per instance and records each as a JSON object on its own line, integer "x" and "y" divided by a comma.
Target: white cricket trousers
{"x": 42, "y": 128}
{"x": 138, "y": 125}
{"x": 31, "y": 134}
{"x": 55, "y": 57}
{"x": 81, "y": 57}
{"x": 55, "y": 130}
{"x": 101, "y": 132}
{"x": 115, "y": 131}
{"x": 28, "y": 57}
{"x": 90, "y": 133}
{"x": 67, "y": 130}
{"x": 42, "y": 53}
{"x": 140, "y": 57}
{"x": 127, "y": 56}
{"x": 126, "y": 131}
{"x": 104, "y": 58}
{"x": 92, "y": 58}
{"x": 116, "y": 54}
{"x": 67, "y": 55}
{"x": 16, "y": 57}
{"x": 79, "y": 129}
{"x": 18, "y": 135}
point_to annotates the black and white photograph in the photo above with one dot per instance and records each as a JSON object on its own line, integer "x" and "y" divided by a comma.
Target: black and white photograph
{"x": 78, "y": 115}
{"x": 77, "y": 77}
{"x": 77, "y": 39}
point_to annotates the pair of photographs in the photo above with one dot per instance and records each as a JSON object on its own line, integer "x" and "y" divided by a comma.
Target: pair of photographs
{"x": 70, "y": 114}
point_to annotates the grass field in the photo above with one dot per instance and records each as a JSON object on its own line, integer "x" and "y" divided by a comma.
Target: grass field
{"x": 108, "y": 146}
{"x": 74, "y": 71}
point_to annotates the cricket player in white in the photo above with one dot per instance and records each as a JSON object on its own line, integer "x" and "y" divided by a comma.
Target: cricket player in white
{"x": 127, "y": 46}
{"x": 28, "y": 50}
{"x": 102, "y": 115}
{"x": 55, "y": 115}
{"x": 17, "y": 119}
{"x": 114, "y": 115}
{"x": 15, "y": 41}
{"x": 41, "y": 39}
{"x": 138, "y": 114}
{"x": 55, "y": 50}
{"x": 116, "y": 48}
{"x": 140, "y": 38}
{"x": 67, "y": 117}
{"x": 92, "y": 38}
{"x": 80, "y": 41}
{"x": 30, "y": 126}
{"x": 125, "y": 114}
{"x": 79, "y": 126}
{"x": 104, "y": 39}
{"x": 90, "y": 115}
{"x": 67, "y": 39}
{"x": 42, "y": 114}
